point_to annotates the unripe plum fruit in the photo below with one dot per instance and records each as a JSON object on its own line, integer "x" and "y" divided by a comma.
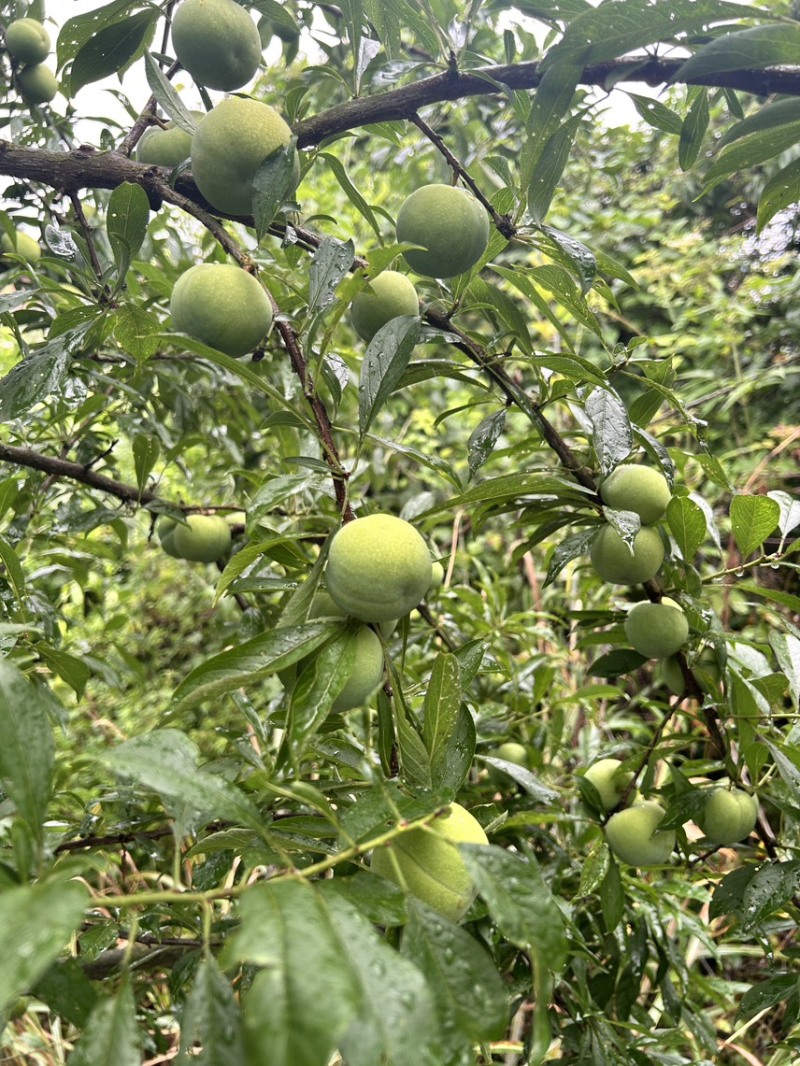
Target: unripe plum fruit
{"x": 510, "y": 751}
{"x": 229, "y": 145}
{"x": 217, "y": 42}
{"x": 27, "y": 40}
{"x": 426, "y": 862}
{"x": 634, "y": 837}
{"x": 22, "y": 244}
{"x": 387, "y": 296}
{"x": 166, "y": 146}
{"x": 38, "y": 84}
{"x": 367, "y": 672}
{"x": 656, "y": 630}
{"x": 379, "y": 568}
{"x": 221, "y": 305}
{"x": 165, "y": 530}
{"x": 729, "y": 815}
{"x": 641, "y": 489}
{"x": 204, "y": 538}
{"x": 614, "y": 562}
{"x": 449, "y": 224}
{"x": 437, "y": 575}
{"x": 609, "y": 780}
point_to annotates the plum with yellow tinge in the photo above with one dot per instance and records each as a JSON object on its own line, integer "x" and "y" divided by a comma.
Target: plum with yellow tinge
{"x": 610, "y": 781}
{"x": 221, "y": 305}
{"x": 634, "y": 837}
{"x": 27, "y": 40}
{"x": 729, "y": 815}
{"x": 378, "y": 569}
{"x": 613, "y": 560}
{"x": 637, "y": 488}
{"x": 449, "y": 224}
{"x": 426, "y": 862}
{"x": 217, "y": 42}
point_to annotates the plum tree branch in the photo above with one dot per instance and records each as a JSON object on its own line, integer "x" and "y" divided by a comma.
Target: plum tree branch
{"x": 56, "y": 467}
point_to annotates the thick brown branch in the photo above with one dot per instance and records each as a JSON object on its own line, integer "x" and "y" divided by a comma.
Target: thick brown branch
{"x": 75, "y": 472}
{"x": 404, "y": 102}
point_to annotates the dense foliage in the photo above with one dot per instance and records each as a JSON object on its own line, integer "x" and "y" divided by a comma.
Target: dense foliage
{"x": 187, "y": 804}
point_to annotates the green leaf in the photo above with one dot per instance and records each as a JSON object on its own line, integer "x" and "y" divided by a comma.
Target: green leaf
{"x": 251, "y": 661}
{"x": 687, "y": 524}
{"x": 751, "y": 150}
{"x": 111, "y": 1037}
{"x": 613, "y": 29}
{"x": 395, "y": 1025}
{"x": 612, "y": 435}
{"x": 146, "y": 449}
{"x": 751, "y": 49}
{"x": 780, "y": 988}
{"x": 273, "y": 185}
{"x": 166, "y": 761}
{"x": 384, "y": 364}
{"x": 75, "y": 671}
{"x": 612, "y": 897}
{"x": 782, "y": 190}
{"x": 331, "y": 263}
{"x": 211, "y": 1028}
{"x": 483, "y": 439}
{"x": 13, "y": 572}
{"x": 518, "y": 899}
{"x": 693, "y": 130}
{"x": 67, "y": 991}
{"x": 787, "y": 651}
{"x": 465, "y": 986}
{"x": 770, "y": 888}
{"x": 36, "y": 923}
{"x": 657, "y": 115}
{"x": 27, "y": 747}
{"x": 351, "y": 192}
{"x": 571, "y": 548}
{"x": 40, "y": 375}
{"x": 307, "y": 994}
{"x": 780, "y": 113}
{"x": 549, "y": 167}
{"x": 170, "y": 101}
{"x": 126, "y": 223}
{"x": 112, "y": 48}
{"x": 414, "y": 759}
{"x": 317, "y": 688}
{"x": 753, "y": 518}
{"x": 135, "y": 329}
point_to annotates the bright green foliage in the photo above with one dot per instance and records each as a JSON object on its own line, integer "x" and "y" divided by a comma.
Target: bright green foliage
{"x": 27, "y": 40}
{"x": 641, "y": 489}
{"x": 228, "y": 147}
{"x": 379, "y": 568}
{"x": 38, "y": 84}
{"x": 729, "y": 815}
{"x": 388, "y": 295}
{"x": 634, "y": 837}
{"x": 615, "y": 562}
{"x": 426, "y": 863}
{"x": 221, "y": 305}
{"x": 217, "y": 42}
{"x": 451, "y": 226}
{"x": 656, "y": 630}
{"x": 610, "y": 781}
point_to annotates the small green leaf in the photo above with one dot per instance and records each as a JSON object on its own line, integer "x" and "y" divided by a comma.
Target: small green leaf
{"x": 112, "y": 48}
{"x": 211, "y": 1029}
{"x": 751, "y": 49}
{"x": 441, "y": 706}
{"x": 317, "y": 687}
{"x": 169, "y": 100}
{"x": 780, "y": 988}
{"x": 111, "y": 1037}
{"x": 273, "y": 184}
{"x": 36, "y": 923}
{"x": 166, "y": 761}
{"x": 612, "y": 435}
{"x": 753, "y": 518}
{"x": 751, "y": 150}
{"x": 693, "y": 130}
{"x": 27, "y": 747}
{"x": 483, "y": 439}
{"x": 518, "y": 899}
{"x": 782, "y": 190}
{"x": 787, "y": 651}
{"x": 146, "y": 450}
{"x": 351, "y": 192}
{"x": 687, "y": 524}
{"x": 549, "y": 167}
{"x": 331, "y": 263}
{"x": 40, "y": 375}
{"x": 126, "y": 224}
{"x": 14, "y": 573}
{"x": 384, "y": 364}
{"x": 657, "y": 115}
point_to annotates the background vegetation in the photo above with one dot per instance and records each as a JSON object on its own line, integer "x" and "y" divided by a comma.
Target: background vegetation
{"x": 183, "y": 846}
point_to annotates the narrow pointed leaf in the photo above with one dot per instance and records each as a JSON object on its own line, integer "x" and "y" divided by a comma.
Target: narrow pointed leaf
{"x": 26, "y": 748}
{"x": 384, "y": 364}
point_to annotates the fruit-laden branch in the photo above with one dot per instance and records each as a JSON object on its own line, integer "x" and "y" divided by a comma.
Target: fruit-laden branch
{"x": 402, "y": 103}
